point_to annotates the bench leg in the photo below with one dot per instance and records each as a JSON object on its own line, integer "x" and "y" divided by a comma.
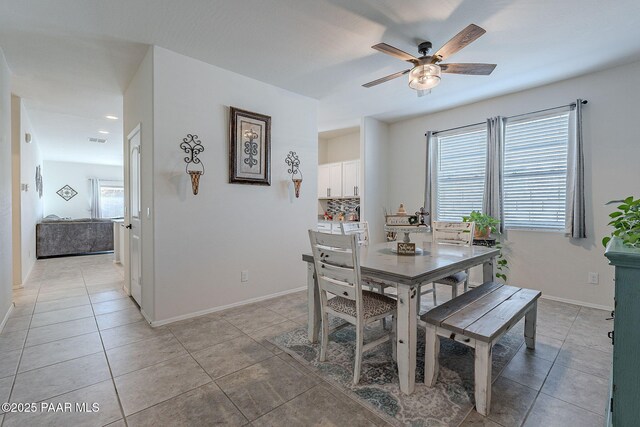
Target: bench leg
{"x": 530, "y": 326}
{"x": 431, "y": 353}
{"x": 483, "y": 377}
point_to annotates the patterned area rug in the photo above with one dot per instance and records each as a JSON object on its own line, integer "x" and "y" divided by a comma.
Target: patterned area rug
{"x": 445, "y": 404}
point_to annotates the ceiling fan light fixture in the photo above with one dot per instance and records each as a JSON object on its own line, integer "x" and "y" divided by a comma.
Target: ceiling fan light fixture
{"x": 424, "y": 77}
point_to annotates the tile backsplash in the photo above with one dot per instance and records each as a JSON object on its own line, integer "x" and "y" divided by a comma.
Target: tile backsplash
{"x": 348, "y": 206}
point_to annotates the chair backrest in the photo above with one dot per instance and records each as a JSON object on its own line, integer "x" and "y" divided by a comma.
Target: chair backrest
{"x": 454, "y": 233}
{"x": 360, "y": 229}
{"x": 337, "y": 261}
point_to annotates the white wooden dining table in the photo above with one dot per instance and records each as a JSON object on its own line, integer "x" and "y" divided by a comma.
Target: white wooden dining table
{"x": 407, "y": 273}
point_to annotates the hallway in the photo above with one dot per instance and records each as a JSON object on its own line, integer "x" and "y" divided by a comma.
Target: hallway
{"x": 55, "y": 338}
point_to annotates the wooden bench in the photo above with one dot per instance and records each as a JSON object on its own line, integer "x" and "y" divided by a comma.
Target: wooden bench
{"x": 479, "y": 318}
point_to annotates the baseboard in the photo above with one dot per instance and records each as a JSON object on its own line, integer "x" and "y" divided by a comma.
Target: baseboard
{"x": 6, "y": 317}
{"x": 575, "y": 302}
{"x": 568, "y": 301}
{"x": 220, "y": 308}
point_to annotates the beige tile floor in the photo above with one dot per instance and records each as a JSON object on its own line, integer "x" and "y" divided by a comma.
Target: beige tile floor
{"x": 74, "y": 336}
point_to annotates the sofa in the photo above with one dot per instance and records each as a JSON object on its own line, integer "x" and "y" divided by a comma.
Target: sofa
{"x": 62, "y": 236}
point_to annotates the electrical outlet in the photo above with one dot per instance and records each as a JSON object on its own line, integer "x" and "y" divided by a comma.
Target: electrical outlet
{"x": 592, "y": 278}
{"x": 244, "y": 276}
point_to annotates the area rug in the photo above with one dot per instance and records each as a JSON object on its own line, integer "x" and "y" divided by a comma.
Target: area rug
{"x": 445, "y": 404}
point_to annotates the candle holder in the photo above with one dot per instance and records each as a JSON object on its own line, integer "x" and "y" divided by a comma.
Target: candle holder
{"x": 293, "y": 162}
{"x": 192, "y": 146}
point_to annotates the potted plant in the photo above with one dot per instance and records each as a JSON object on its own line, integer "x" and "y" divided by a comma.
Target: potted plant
{"x": 485, "y": 224}
{"x": 626, "y": 222}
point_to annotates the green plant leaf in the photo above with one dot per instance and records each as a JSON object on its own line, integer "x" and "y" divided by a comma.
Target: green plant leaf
{"x": 605, "y": 240}
{"x": 628, "y": 200}
{"x": 615, "y": 214}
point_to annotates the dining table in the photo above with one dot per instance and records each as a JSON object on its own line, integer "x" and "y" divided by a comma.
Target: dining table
{"x": 407, "y": 273}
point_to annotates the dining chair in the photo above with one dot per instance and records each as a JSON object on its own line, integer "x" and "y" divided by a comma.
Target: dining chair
{"x": 360, "y": 229}
{"x": 337, "y": 265}
{"x": 453, "y": 233}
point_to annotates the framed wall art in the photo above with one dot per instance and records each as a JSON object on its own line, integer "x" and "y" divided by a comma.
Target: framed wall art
{"x": 249, "y": 147}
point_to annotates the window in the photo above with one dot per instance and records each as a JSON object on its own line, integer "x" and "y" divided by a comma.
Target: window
{"x": 460, "y": 173}
{"x": 535, "y": 172}
{"x": 111, "y": 199}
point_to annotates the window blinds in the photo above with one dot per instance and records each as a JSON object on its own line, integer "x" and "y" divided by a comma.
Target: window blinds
{"x": 535, "y": 172}
{"x": 460, "y": 173}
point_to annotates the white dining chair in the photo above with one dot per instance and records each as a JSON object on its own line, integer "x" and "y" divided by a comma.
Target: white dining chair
{"x": 360, "y": 229}
{"x": 453, "y": 233}
{"x": 337, "y": 265}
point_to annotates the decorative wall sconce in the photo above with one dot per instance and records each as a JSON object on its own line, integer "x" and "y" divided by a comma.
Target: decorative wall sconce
{"x": 293, "y": 162}
{"x": 195, "y": 168}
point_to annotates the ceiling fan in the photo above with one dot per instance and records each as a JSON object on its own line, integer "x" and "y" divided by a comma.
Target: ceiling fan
{"x": 426, "y": 70}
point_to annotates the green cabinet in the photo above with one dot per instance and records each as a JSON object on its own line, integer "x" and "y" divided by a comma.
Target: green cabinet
{"x": 624, "y": 409}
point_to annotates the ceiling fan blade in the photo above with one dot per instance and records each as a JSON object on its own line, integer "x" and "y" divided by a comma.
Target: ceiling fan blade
{"x": 459, "y": 41}
{"x": 386, "y": 78}
{"x": 474, "y": 69}
{"x": 395, "y": 52}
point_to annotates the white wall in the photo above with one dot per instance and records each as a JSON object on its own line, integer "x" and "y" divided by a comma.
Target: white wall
{"x": 203, "y": 242}
{"x": 58, "y": 174}
{"x": 5, "y": 189}
{"x": 138, "y": 110}
{"x": 31, "y": 205}
{"x": 16, "y": 192}
{"x": 374, "y": 171}
{"x": 549, "y": 261}
{"x": 339, "y": 149}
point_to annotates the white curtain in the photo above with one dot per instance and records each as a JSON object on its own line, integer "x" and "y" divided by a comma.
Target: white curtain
{"x": 430, "y": 173}
{"x": 96, "y": 212}
{"x": 575, "y": 211}
{"x": 492, "y": 200}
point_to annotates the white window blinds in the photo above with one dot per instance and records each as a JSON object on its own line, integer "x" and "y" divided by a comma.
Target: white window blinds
{"x": 535, "y": 171}
{"x": 460, "y": 173}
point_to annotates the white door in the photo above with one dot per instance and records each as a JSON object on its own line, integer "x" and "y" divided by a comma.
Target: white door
{"x": 351, "y": 178}
{"x": 135, "y": 259}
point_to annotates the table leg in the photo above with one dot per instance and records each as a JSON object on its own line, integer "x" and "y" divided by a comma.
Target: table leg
{"x": 483, "y": 377}
{"x": 489, "y": 271}
{"x": 530, "y": 326}
{"x": 313, "y": 304}
{"x": 407, "y": 337}
{"x": 431, "y": 355}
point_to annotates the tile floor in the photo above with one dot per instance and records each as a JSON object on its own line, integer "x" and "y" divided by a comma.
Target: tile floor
{"x": 74, "y": 336}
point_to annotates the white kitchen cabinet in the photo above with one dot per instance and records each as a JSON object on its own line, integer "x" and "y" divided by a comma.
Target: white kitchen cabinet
{"x": 325, "y": 227}
{"x": 335, "y": 180}
{"x": 351, "y": 178}
{"x": 330, "y": 180}
{"x": 329, "y": 227}
{"x": 323, "y": 181}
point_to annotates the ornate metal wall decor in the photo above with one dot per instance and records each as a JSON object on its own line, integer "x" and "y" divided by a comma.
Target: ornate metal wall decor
{"x": 293, "y": 161}
{"x": 66, "y": 192}
{"x": 192, "y": 146}
{"x": 249, "y": 147}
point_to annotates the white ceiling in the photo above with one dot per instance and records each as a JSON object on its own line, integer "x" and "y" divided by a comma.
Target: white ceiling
{"x": 72, "y": 59}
